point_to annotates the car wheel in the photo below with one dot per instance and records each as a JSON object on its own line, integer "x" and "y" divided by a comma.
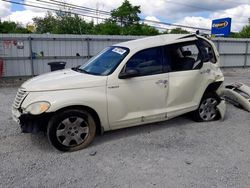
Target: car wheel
{"x": 71, "y": 130}
{"x": 207, "y": 110}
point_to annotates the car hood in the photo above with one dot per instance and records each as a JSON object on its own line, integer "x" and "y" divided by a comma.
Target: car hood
{"x": 63, "y": 79}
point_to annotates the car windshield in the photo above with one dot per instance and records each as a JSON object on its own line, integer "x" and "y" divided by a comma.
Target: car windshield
{"x": 105, "y": 62}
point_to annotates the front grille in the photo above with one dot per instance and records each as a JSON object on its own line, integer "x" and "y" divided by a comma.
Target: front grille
{"x": 21, "y": 94}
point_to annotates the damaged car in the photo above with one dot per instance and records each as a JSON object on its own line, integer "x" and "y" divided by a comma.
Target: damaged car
{"x": 128, "y": 84}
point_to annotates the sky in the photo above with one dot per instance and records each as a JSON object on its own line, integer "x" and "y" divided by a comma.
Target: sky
{"x": 194, "y": 13}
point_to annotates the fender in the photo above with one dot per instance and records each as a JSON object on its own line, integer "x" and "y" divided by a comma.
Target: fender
{"x": 93, "y": 98}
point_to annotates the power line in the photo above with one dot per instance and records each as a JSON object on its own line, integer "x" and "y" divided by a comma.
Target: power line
{"x": 174, "y": 2}
{"x": 83, "y": 7}
{"x": 198, "y": 7}
{"x": 40, "y": 3}
{"x": 108, "y": 12}
{"x": 144, "y": 20}
{"x": 237, "y": 3}
{"x": 46, "y": 8}
{"x": 177, "y": 25}
{"x": 70, "y": 6}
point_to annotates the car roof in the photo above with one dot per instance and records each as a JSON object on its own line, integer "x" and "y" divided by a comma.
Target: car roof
{"x": 158, "y": 40}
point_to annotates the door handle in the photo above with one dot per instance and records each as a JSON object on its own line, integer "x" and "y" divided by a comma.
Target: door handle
{"x": 205, "y": 71}
{"x": 163, "y": 82}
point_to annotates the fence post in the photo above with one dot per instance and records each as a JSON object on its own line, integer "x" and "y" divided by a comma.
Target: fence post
{"x": 246, "y": 54}
{"x": 31, "y": 57}
{"x": 218, "y": 49}
{"x": 88, "y": 48}
{"x": 218, "y": 46}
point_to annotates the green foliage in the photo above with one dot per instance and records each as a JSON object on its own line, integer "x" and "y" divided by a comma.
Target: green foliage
{"x": 107, "y": 28}
{"x": 178, "y": 30}
{"x": 245, "y": 32}
{"x": 62, "y": 23}
{"x": 139, "y": 29}
{"x": 72, "y": 24}
{"x": 12, "y": 27}
{"x": 234, "y": 35}
{"x": 46, "y": 24}
{"x": 126, "y": 14}
{"x": 148, "y": 30}
{"x": 124, "y": 21}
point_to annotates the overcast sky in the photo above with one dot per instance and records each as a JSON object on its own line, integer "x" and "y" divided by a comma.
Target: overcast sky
{"x": 186, "y": 12}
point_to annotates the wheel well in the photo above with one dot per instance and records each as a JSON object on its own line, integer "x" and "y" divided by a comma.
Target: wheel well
{"x": 213, "y": 87}
{"x": 99, "y": 129}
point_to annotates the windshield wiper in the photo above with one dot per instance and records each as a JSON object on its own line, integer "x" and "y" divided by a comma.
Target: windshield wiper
{"x": 83, "y": 71}
{"x": 77, "y": 69}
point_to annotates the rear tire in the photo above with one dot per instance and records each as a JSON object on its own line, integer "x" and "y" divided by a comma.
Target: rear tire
{"x": 71, "y": 130}
{"x": 207, "y": 110}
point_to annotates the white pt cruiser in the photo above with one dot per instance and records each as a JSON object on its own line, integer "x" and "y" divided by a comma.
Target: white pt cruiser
{"x": 141, "y": 81}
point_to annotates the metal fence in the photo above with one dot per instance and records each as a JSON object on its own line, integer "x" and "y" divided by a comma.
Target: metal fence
{"x": 233, "y": 52}
{"x": 26, "y": 55}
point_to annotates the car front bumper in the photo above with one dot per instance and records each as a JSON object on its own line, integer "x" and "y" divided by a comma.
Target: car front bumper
{"x": 31, "y": 123}
{"x": 15, "y": 115}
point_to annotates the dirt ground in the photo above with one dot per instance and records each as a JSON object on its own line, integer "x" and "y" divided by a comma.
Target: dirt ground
{"x": 175, "y": 153}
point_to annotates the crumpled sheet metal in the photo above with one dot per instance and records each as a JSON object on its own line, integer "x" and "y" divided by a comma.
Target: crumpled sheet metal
{"x": 238, "y": 94}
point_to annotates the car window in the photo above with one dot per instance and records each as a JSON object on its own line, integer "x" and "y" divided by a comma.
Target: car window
{"x": 184, "y": 56}
{"x": 191, "y": 48}
{"x": 105, "y": 62}
{"x": 207, "y": 51}
{"x": 146, "y": 62}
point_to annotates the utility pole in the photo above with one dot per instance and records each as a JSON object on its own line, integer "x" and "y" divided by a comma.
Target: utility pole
{"x": 97, "y": 13}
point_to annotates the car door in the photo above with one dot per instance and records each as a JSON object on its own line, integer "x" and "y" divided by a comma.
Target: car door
{"x": 143, "y": 98}
{"x": 186, "y": 79}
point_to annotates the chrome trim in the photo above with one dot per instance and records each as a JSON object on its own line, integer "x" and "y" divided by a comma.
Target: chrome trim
{"x": 21, "y": 94}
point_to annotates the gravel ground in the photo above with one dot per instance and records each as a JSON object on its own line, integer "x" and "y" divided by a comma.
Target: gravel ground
{"x": 175, "y": 153}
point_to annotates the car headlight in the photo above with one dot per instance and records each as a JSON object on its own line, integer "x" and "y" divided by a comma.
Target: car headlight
{"x": 37, "y": 108}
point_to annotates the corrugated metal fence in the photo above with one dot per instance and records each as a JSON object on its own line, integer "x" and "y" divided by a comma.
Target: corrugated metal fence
{"x": 25, "y": 55}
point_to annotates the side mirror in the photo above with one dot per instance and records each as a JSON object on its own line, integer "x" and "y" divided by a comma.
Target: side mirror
{"x": 76, "y": 68}
{"x": 187, "y": 53}
{"x": 208, "y": 57}
{"x": 128, "y": 74}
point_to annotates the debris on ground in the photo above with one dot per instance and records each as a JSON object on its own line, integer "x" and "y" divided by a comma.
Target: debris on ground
{"x": 238, "y": 94}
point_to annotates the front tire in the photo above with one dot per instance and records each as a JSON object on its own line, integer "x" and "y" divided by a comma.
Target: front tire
{"x": 207, "y": 110}
{"x": 71, "y": 130}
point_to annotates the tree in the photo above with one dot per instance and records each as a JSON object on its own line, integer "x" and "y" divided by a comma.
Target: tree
{"x": 139, "y": 29}
{"x": 107, "y": 28}
{"x": 124, "y": 21}
{"x": 72, "y": 24}
{"x": 178, "y": 30}
{"x": 245, "y": 32}
{"x": 234, "y": 35}
{"x": 62, "y": 23}
{"x": 46, "y": 24}
{"x": 126, "y": 14}
{"x": 12, "y": 27}
{"x": 148, "y": 30}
